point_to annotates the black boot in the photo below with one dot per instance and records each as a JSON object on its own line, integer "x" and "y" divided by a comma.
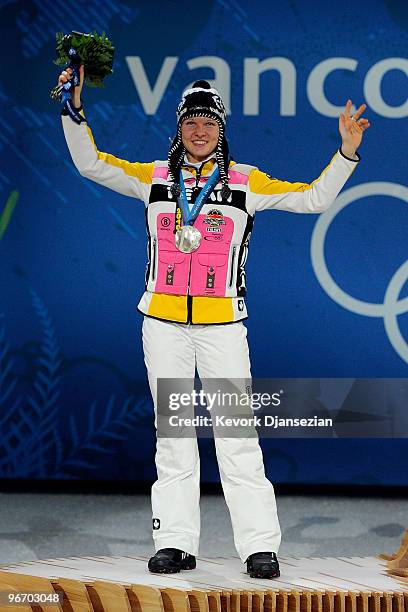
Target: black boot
{"x": 263, "y": 565}
{"x": 171, "y": 561}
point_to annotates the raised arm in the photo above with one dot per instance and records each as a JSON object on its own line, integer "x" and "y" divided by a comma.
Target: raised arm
{"x": 266, "y": 192}
{"x": 133, "y": 179}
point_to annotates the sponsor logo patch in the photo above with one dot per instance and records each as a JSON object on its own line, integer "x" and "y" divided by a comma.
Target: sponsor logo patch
{"x": 214, "y": 218}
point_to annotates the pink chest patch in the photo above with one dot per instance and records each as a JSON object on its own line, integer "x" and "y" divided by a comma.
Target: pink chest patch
{"x": 204, "y": 272}
{"x": 209, "y": 265}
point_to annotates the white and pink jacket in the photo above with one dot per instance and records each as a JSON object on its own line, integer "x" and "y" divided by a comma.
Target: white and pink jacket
{"x": 216, "y": 268}
{"x": 208, "y": 285}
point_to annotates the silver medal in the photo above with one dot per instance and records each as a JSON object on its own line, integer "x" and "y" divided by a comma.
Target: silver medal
{"x": 188, "y": 239}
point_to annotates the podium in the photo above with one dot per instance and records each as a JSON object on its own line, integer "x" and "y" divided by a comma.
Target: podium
{"x": 219, "y": 584}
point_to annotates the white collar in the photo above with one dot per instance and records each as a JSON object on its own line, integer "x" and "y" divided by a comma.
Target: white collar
{"x": 198, "y": 164}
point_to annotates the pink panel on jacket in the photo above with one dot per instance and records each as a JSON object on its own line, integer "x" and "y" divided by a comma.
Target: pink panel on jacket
{"x": 209, "y": 264}
{"x": 173, "y": 266}
{"x": 237, "y": 178}
{"x": 160, "y": 172}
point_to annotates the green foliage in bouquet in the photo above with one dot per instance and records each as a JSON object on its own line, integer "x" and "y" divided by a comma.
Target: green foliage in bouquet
{"x": 94, "y": 51}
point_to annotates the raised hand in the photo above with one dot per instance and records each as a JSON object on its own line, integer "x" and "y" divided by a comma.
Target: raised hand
{"x": 351, "y": 128}
{"x": 66, "y": 75}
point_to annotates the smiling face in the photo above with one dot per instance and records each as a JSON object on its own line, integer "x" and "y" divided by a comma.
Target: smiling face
{"x": 200, "y": 137}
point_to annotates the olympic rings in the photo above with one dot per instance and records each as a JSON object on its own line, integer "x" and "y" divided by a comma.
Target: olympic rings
{"x": 392, "y": 305}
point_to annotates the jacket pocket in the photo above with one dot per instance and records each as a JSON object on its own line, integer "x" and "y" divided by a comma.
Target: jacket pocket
{"x": 212, "y": 273}
{"x": 171, "y": 257}
{"x": 173, "y": 269}
{"x": 154, "y": 257}
{"x": 212, "y": 259}
{"x": 231, "y": 276}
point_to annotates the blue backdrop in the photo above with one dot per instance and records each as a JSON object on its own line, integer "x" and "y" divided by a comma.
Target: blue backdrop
{"x": 74, "y": 401}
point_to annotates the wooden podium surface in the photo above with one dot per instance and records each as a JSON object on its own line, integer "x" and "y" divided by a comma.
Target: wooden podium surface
{"x": 219, "y": 584}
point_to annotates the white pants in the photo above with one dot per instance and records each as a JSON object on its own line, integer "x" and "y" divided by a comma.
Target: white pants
{"x": 173, "y": 350}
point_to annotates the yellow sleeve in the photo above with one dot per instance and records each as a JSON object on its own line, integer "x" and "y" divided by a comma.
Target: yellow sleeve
{"x": 266, "y": 192}
{"x": 133, "y": 179}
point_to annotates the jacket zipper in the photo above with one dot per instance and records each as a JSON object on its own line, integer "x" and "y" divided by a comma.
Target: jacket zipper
{"x": 189, "y": 308}
{"x": 154, "y": 260}
{"x": 189, "y": 297}
{"x": 232, "y": 266}
{"x": 196, "y": 187}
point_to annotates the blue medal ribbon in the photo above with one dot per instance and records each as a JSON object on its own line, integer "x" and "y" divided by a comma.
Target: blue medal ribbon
{"x": 189, "y": 216}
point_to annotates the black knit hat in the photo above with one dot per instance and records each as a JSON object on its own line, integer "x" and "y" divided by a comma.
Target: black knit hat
{"x": 200, "y": 101}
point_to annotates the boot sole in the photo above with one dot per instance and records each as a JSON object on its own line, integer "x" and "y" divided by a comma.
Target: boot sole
{"x": 165, "y": 570}
{"x": 190, "y": 565}
{"x": 264, "y": 574}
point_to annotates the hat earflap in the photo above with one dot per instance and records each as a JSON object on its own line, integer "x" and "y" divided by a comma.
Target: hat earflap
{"x": 222, "y": 157}
{"x": 175, "y": 161}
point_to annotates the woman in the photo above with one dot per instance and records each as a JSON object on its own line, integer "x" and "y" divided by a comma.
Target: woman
{"x": 200, "y": 208}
